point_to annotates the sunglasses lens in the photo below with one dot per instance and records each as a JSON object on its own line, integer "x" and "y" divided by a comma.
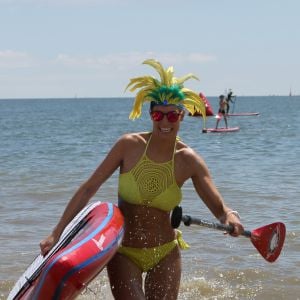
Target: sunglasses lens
{"x": 172, "y": 116}
{"x": 157, "y": 116}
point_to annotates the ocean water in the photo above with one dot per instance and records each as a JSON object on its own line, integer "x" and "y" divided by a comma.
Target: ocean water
{"x": 48, "y": 147}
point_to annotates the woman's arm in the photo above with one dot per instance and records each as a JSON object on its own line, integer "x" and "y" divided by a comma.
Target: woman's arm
{"x": 86, "y": 191}
{"x": 210, "y": 195}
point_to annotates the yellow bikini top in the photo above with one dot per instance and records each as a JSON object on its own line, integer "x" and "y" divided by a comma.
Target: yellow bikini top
{"x": 151, "y": 183}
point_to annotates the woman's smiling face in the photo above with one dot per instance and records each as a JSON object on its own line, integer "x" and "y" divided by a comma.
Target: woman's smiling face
{"x": 166, "y": 119}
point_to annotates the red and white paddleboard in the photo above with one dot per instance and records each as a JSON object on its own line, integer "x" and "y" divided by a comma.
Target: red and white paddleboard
{"x": 84, "y": 249}
{"x": 221, "y": 129}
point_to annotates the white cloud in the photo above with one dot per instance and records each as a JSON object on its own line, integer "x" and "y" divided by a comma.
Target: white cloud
{"x": 14, "y": 59}
{"x": 120, "y": 61}
{"x": 85, "y": 75}
{"x": 133, "y": 59}
{"x": 182, "y": 58}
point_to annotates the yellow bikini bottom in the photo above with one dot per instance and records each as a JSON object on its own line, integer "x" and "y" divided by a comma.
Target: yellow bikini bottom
{"x": 147, "y": 258}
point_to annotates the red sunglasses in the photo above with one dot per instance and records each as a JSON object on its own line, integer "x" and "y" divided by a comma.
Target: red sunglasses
{"x": 172, "y": 116}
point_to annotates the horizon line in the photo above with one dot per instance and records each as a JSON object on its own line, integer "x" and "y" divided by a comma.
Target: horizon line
{"x": 118, "y": 97}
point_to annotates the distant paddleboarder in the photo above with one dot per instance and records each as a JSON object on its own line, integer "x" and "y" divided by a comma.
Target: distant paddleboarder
{"x": 229, "y": 99}
{"x": 222, "y": 111}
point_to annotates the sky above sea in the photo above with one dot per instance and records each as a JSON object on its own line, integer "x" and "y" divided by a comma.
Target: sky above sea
{"x": 90, "y": 48}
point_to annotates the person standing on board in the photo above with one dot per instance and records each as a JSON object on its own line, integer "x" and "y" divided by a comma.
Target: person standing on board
{"x": 222, "y": 111}
{"x": 153, "y": 167}
{"x": 229, "y": 98}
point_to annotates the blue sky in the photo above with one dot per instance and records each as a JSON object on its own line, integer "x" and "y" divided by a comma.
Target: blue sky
{"x": 90, "y": 48}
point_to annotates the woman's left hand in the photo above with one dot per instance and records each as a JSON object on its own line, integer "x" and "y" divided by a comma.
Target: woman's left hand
{"x": 234, "y": 221}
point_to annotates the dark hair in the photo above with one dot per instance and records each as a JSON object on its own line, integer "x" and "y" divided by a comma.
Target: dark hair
{"x": 154, "y": 103}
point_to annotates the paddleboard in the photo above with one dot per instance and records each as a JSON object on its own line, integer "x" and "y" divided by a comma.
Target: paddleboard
{"x": 242, "y": 114}
{"x": 221, "y": 129}
{"x": 84, "y": 249}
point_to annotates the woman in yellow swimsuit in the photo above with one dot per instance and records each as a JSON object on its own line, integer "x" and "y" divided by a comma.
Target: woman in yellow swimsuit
{"x": 153, "y": 167}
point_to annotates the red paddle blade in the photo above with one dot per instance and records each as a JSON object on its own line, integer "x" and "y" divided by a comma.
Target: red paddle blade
{"x": 269, "y": 240}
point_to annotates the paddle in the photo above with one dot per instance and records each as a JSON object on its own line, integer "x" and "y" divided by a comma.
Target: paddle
{"x": 268, "y": 240}
{"x": 233, "y": 106}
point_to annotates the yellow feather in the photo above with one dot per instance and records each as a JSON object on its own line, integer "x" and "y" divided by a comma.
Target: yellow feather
{"x": 142, "y": 82}
{"x": 138, "y": 103}
{"x": 158, "y": 67}
{"x": 181, "y": 80}
{"x": 148, "y": 84}
{"x": 169, "y": 76}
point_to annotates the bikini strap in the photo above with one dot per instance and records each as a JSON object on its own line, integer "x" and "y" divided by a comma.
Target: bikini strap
{"x": 147, "y": 144}
{"x": 174, "y": 149}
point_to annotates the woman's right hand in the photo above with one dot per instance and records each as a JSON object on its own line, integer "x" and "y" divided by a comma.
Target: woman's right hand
{"x": 47, "y": 244}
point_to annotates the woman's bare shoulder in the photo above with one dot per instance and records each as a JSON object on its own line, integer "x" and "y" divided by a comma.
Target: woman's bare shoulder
{"x": 133, "y": 139}
{"x": 184, "y": 149}
{"x": 188, "y": 162}
{"x": 188, "y": 154}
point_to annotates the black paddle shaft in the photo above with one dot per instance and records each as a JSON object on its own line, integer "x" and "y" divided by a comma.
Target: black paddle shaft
{"x": 177, "y": 217}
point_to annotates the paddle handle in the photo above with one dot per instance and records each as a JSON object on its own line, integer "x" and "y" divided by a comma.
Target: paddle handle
{"x": 268, "y": 240}
{"x": 188, "y": 220}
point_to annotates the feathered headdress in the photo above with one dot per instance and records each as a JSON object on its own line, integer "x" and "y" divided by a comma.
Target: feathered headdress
{"x": 169, "y": 90}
